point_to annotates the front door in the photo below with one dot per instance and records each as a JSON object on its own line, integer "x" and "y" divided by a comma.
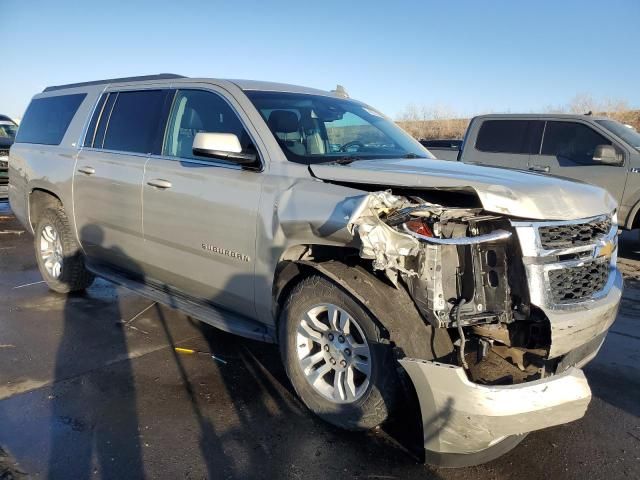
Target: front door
{"x": 567, "y": 151}
{"x": 107, "y": 183}
{"x": 200, "y": 214}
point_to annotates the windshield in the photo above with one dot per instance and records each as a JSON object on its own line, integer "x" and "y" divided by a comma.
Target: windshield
{"x": 8, "y": 130}
{"x": 627, "y": 134}
{"x": 317, "y": 129}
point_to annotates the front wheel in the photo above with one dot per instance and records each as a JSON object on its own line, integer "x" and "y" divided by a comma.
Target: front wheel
{"x": 58, "y": 254}
{"x": 336, "y": 357}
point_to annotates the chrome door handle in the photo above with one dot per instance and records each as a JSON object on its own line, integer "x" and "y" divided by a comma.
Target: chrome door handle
{"x": 87, "y": 170}
{"x": 539, "y": 168}
{"x": 159, "y": 183}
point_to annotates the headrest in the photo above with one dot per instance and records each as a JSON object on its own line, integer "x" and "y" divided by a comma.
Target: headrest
{"x": 283, "y": 121}
{"x": 191, "y": 120}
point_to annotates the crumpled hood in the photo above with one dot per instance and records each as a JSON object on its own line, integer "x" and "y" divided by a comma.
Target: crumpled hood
{"x": 510, "y": 192}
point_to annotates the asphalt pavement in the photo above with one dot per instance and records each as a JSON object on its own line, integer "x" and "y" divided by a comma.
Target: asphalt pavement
{"x": 91, "y": 387}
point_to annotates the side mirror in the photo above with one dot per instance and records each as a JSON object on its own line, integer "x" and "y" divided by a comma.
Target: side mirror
{"x": 223, "y": 146}
{"x": 607, "y": 155}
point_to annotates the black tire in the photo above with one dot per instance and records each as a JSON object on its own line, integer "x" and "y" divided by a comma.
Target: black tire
{"x": 383, "y": 391}
{"x": 73, "y": 276}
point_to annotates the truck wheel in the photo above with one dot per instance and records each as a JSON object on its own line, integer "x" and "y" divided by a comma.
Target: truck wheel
{"x": 335, "y": 356}
{"x": 59, "y": 257}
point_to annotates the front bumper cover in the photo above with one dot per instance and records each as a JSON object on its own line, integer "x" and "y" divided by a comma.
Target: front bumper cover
{"x": 479, "y": 423}
{"x": 465, "y": 423}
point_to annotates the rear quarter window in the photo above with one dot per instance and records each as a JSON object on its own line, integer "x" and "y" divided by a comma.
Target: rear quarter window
{"x": 509, "y": 136}
{"x": 46, "y": 120}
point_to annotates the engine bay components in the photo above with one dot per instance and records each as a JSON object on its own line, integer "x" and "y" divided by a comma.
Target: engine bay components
{"x": 441, "y": 254}
{"x": 463, "y": 270}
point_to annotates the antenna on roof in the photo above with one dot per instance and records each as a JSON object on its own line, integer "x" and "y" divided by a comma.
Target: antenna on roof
{"x": 340, "y": 91}
{"x": 589, "y": 113}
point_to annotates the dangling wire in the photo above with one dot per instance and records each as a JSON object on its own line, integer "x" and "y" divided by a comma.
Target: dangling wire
{"x": 461, "y": 333}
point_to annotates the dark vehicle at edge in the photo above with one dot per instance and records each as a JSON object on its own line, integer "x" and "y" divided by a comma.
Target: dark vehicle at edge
{"x": 8, "y": 129}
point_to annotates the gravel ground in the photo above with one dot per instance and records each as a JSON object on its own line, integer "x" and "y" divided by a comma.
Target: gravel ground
{"x": 90, "y": 386}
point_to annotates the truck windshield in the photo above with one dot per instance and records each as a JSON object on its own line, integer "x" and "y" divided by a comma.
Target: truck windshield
{"x": 627, "y": 134}
{"x": 319, "y": 129}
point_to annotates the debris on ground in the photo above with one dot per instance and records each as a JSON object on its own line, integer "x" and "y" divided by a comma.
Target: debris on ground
{"x": 127, "y": 323}
{"x": 28, "y": 284}
{"x": 190, "y": 351}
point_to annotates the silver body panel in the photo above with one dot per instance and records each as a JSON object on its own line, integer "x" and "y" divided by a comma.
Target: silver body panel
{"x": 107, "y": 207}
{"x": 502, "y": 191}
{"x": 219, "y": 233}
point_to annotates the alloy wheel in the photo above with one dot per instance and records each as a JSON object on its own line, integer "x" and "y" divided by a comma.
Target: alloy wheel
{"x": 333, "y": 353}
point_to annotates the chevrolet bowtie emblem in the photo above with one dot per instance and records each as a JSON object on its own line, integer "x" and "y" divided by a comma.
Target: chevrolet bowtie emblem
{"x": 605, "y": 250}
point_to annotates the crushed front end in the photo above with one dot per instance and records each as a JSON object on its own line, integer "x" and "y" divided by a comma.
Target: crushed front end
{"x": 526, "y": 304}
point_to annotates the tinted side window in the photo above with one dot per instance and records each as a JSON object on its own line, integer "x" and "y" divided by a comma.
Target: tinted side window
{"x": 503, "y": 136}
{"x": 197, "y": 111}
{"x": 536, "y": 128}
{"x": 47, "y": 119}
{"x": 571, "y": 141}
{"x": 135, "y": 121}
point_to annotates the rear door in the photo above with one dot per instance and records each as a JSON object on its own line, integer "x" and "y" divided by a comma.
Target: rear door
{"x": 567, "y": 151}
{"x": 200, "y": 213}
{"x": 505, "y": 143}
{"x": 124, "y": 130}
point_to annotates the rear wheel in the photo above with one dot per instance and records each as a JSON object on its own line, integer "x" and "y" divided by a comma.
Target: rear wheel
{"x": 335, "y": 356}
{"x": 58, "y": 254}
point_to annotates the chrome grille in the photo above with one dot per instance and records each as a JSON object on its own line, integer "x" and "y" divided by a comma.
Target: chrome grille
{"x": 579, "y": 283}
{"x": 568, "y": 263}
{"x": 573, "y": 235}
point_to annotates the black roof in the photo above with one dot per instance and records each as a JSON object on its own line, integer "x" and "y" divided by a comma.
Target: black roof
{"x": 160, "y": 76}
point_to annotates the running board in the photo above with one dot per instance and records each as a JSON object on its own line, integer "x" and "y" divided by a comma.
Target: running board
{"x": 215, "y": 316}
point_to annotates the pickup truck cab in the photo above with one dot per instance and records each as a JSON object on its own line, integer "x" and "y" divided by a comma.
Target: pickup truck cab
{"x": 596, "y": 150}
{"x": 307, "y": 219}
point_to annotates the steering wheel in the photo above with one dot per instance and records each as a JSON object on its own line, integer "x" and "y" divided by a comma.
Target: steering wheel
{"x": 344, "y": 147}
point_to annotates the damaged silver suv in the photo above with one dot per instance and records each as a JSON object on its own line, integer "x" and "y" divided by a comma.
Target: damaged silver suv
{"x": 304, "y": 218}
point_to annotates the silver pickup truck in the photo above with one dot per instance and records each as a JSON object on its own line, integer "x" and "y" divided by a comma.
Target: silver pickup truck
{"x": 304, "y": 218}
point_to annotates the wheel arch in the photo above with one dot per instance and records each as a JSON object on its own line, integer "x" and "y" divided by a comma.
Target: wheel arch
{"x": 634, "y": 217}
{"x": 392, "y": 307}
{"x": 299, "y": 261}
{"x": 41, "y": 199}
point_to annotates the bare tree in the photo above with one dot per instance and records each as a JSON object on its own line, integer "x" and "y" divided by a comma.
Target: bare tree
{"x": 437, "y": 121}
{"x": 440, "y": 121}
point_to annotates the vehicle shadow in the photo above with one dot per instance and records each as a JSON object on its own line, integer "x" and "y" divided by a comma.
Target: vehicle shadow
{"x": 264, "y": 432}
{"x": 94, "y": 419}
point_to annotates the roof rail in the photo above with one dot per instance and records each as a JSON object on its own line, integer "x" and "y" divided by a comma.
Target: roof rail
{"x": 160, "y": 76}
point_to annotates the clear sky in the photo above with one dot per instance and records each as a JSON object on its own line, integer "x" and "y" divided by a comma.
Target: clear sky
{"x": 471, "y": 56}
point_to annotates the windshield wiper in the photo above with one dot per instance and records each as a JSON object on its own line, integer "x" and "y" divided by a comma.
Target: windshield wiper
{"x": 413, "y": 155}
{"x": 346, "y": 160}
